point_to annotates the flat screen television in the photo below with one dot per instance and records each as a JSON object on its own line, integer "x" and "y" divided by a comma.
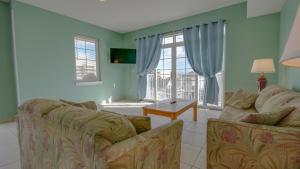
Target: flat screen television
{"x": 118, "y": 55}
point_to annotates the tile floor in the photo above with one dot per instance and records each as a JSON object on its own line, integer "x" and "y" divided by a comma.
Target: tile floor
{"x": 193, "y": 136}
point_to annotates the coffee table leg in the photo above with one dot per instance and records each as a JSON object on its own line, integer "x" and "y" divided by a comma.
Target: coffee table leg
{"x": 145, "y": 113}
{"x": 195, "y": 111}
{"x": 174, "y": 117}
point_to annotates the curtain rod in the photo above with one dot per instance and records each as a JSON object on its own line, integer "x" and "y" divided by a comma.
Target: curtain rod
{"x": 178, "y": 30}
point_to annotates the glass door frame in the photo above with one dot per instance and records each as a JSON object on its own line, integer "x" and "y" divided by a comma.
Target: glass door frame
{"x": 173, "y": 47}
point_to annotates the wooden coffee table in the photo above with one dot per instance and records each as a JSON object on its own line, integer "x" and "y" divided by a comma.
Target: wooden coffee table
{"x": 165, "y": 108}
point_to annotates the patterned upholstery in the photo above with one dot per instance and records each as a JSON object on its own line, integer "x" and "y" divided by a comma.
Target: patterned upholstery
{"x": 140, "y": 123}
{"x": 267, "y": 118}
{"x": 56, "y": 135}
{"x": 239, "y": 145}
{"x": 242, "y": 99}
{"x": 266, "y": 94}
{"x": 89, "y": 104}
{"x": 235, "y": 114}
{"x": 110, "y": 126}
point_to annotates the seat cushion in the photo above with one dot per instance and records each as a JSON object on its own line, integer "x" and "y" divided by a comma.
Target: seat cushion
{"x": 242, "y": 99}
{"x": 234, "y": 114}
{"x": 111, "y": 126}
{"x": 266, "y": 94}
{"x": 268, "y": 118}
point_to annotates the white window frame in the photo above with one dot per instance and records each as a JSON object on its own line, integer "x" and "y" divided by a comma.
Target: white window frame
{"x": 97, "y": 45}
{"x": 173, "y": 46}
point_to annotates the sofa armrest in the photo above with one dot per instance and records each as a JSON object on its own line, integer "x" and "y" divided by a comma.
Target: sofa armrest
{"x": 243, "y": 145}
{"x": 157, "y": 148}
{"x": 141, "y": 123}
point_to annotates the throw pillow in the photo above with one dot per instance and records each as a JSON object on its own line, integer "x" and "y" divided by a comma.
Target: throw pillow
{"x": 242, "y": 99}
{"x": 267, "y": 118}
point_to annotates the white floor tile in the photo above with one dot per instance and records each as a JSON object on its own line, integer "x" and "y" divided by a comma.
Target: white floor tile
{"x": 185, "y": 166}
{"x": 9, "y": 150}
{"x": 197, "y": 168}
{"x": 201, "y": 160}
{"x": 15, "y": 165}
{"x": 189, "y": 153}
{"x": 193, "y": 139}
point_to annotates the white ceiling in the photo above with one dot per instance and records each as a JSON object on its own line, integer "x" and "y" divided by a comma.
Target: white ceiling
{"x": 263, "y": 7}
{"x": 129, "y": 15}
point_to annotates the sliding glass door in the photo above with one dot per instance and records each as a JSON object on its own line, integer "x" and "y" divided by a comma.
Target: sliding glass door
{"x": 174, "y": 75}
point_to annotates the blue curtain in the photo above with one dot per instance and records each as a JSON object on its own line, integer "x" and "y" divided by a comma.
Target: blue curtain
{"x": 204, "y": 45}
{"x": 148, "y": 55}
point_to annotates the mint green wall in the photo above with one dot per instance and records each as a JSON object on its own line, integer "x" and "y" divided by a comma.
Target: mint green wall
{"x": 288, "y": 77}
{"x": 45, "y": 53}
{"x": 8, "y": 102}
{"x": 247, "y": 39}
{"x": 45, "y": 56}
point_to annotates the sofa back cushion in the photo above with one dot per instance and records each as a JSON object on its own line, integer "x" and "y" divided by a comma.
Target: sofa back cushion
{"x": 40, "y": 107}
{"x": 293, "y": 119}
{"x": 242, "y": 99}
{"x": 88, "y": 104}
{"x": 266, "y": 94}
{"x": 278, "y": 101}
{"x": 111, "y": 126}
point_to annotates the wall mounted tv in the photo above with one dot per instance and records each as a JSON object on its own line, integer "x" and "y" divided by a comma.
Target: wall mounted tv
{"x": 118, "y": 55}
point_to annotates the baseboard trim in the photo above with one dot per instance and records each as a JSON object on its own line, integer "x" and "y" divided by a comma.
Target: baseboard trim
{"x": 7, "y": 119}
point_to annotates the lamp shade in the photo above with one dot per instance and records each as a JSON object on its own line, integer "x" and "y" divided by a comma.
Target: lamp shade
{"x": 263, "y": 66}
{"x": 291, "y": 53}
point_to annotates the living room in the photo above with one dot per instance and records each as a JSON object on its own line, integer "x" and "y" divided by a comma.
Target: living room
{"x": 179, "y": 82}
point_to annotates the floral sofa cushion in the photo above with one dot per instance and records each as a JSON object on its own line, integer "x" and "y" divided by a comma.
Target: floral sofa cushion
{"x": 140, "y": 123}
{"x": 242, "y": 99}
{"x": 40, "y": 107}
{"x": 89, "y": 104}
{"x": 277, "y": 101}
{"x": 267, "y": 118}
{"x": 111, "y": 126}
{"x": 266, "y": 94}
{"x": 293, "y": 119}
{"x": 234, "y": 114}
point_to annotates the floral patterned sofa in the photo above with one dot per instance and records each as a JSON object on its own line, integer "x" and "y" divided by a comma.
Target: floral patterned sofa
{"x": 56, "y": 135}
{"x": 232, "y": 144}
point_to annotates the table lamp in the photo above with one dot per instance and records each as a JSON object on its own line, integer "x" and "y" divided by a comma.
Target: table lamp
{"x": 291, "y": 53}
{"x": 262, "y": 66}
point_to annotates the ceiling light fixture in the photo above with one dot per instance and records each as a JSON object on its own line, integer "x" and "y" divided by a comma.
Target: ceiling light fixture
{"x": 101, "y": 0}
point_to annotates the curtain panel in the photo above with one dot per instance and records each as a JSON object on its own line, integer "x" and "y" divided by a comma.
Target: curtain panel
{"x": 205, "y": 45}
{"x": 148, "y": 55}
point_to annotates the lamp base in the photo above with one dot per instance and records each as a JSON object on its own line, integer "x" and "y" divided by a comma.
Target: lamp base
{"x": 261, "y": 82}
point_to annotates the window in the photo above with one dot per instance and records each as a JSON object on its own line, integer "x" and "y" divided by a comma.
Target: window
{"x": 86, "y": 60}
{"x": 174, "y": 75}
